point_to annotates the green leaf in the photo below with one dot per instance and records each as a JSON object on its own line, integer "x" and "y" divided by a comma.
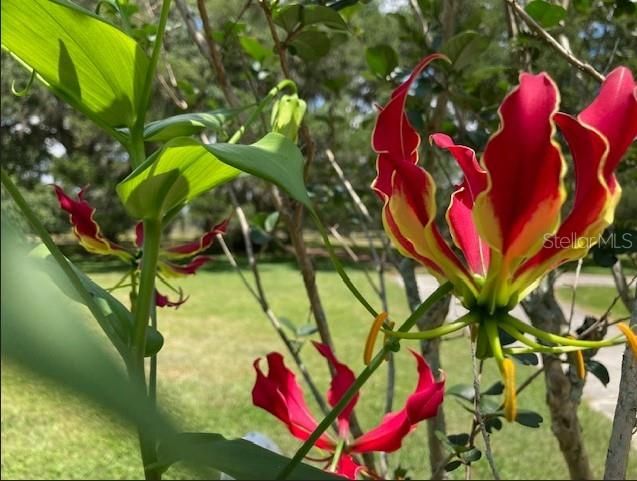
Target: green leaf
{"x": 464, "y": 48}
{"x": 598, "y": 370}
{"x": 89, "y": 63}
{"x": 290, "y": 17}
{"x": 229, "y": 456}
{"x": 306, "y": 330}
{"x": 463, "y": 391}
{"x": 310, "y": 44}
{"x": 461, "y": 439}
{"x": 495, "y": 389}
{"x": 381, "y": 59}
{"x": 545, "y": 13}
{"x": 471, "y": 456}
{"x": 453, "y": 465}
{"x": 118, "y": 316}
{"x": 529, "y": 418}
{"x": 270, "y": 221}
{"x": 173, "y": 176}
{"x": 491, "y": 423}
{"x": 254, "y": 48}
{"x": 187, "y": 124}
{"x": 526, "y": 359}
{"x": 274, "y": 158}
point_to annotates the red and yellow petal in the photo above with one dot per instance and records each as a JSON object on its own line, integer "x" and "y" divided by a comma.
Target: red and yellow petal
{"x": 460, "y": 212}
{"x": 86, "y": 229}
{"x": 525, "y": 192}
{"x": 614, "y": 114}
{"x": 592, "y": 207}
{"x": 170, "y": 269}
{"x": 189, "y": 249}
{"x": 411, "y": 207}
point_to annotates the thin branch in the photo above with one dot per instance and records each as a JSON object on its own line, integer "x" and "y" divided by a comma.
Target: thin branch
{"x": 478, "y": 413}
{"x": 557, "y": 46}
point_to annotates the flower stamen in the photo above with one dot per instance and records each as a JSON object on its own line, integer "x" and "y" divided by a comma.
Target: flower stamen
{"x": 510, "y": 403}
{"x": 631, "y": 337}
{"x": 371, "y": 337}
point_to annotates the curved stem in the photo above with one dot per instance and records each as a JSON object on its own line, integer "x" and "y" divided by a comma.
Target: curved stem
{"x": 338, "y": 266}
{"x": 554, "y": 338}
{"x": 534, "y": 346}
{"x": 361, "y": 380}
{"x": 464, "y": 321}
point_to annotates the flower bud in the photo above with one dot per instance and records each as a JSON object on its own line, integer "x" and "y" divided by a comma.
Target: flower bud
{"x": 287, "y": 115}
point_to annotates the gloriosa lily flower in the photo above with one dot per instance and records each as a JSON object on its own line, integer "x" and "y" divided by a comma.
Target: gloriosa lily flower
{"x": 280, "y": 395}
{"x": 90, "y": 236}
{"x": 505, "y": 215}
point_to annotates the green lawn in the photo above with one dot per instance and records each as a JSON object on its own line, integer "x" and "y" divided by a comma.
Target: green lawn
{"x": 595, "y": 299}
{"x": 206, "y": 377}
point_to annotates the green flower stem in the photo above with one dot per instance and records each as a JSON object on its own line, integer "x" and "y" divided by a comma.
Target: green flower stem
{"x": 491, "y": 327}
{"x": 338, "y": 266}
{"x": 143, "y": 306}
{"x": 555, "y": 339}
{"x": 535, "y": 347}
{"x": 260, "y": 106}
{"x": 443, "y": 330}
{"x": 64, "y": 264}
{"x": 337, "y": 456}
{"x": 362, "y": 378}
{"x": 150, "y": 73}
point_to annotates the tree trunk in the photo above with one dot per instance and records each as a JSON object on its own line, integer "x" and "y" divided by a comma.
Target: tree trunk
{"x": 625, "y": 418}
{"x": 431, "y": 351}
{"x": 563, "y": 391}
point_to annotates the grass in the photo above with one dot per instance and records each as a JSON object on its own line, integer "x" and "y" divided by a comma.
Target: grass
{"x": 206, "y": 377}
{"x": 595, "y": 299}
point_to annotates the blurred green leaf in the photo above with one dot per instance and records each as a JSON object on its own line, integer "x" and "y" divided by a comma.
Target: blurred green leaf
{"x": 291, "y": 17}
{"x": 471, "y": 455}
{"x": 253, "y": 47}
{"x": 495, "y": 389}
{"x": 453, "y": 465}
{"x": 381, "y": 60}
{"x": 529, "y": 418}
{"x": 270, "y": 221}
{"x": 463, "y": 391}
{"x": 545, "y": 13}
{"x": 310, "y": 44}
{"x": 598, "y": 370}
{"x": 89, "y": 63}
{"x": 238, "y": 458}
{"x": 187, "y": 124}
{"x": 464, "y": 48}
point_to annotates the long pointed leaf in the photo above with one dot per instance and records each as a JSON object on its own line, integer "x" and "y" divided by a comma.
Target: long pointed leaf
{"x": 88, "y": 62}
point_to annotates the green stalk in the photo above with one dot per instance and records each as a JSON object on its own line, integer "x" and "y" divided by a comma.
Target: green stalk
{"x": 491, "y": 327}
{"x": 464, "y": 321}
{"x": 338, "y": 452}
{"x": 64, "y": 264}
{"x": 554, "y": 338}
{"x": 338, "y": 266}
{"x": 260, "y": 106}
{"x": 138, "y": 129}
{"x": 362, "y": 379}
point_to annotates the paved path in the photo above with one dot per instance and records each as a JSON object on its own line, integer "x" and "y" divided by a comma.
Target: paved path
{"x": 600, "y": 398}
